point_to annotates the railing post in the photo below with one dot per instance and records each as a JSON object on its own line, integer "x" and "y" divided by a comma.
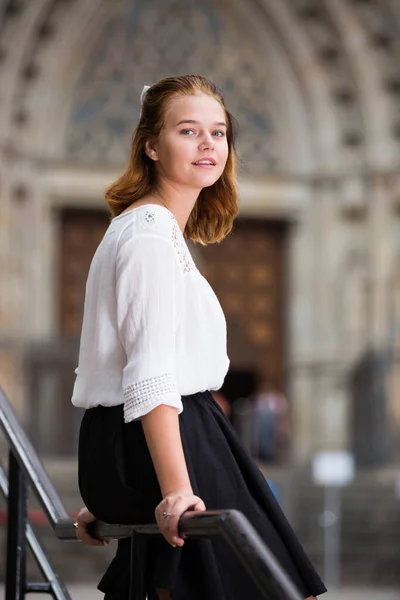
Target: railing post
{"x": 16, "y": 527}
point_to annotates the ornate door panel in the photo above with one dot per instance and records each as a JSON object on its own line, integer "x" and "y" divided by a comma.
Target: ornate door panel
{"x": 247, "y": 272}
{"x": 81, "y": 233}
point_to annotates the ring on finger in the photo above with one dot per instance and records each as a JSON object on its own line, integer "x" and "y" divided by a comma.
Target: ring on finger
{"x": 166, "y": 515}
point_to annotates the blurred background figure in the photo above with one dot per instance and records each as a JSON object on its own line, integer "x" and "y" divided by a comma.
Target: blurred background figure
{"x": 270, "y": 424}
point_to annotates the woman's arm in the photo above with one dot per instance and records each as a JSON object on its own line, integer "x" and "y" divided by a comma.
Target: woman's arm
{"x": 161, "y": 429}
{"x": 149, "y": 291}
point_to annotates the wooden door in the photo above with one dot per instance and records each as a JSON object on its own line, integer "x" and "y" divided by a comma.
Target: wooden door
{"x": 247, "y": 272}
{"x": 81, "y": 232}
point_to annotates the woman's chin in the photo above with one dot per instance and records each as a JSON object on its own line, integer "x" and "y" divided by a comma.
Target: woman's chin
{"x": 206, "y": 179}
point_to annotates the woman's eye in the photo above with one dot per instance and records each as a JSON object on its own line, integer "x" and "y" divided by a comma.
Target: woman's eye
{"x": 187, "y": 131}
{"x": 219, "y": 133}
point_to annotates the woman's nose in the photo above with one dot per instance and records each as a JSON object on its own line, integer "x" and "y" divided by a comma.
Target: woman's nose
{"x": 207, "y": 142}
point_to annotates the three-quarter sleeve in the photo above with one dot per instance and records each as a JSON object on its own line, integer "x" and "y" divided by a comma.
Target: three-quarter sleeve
{"x": 149, "y": 303}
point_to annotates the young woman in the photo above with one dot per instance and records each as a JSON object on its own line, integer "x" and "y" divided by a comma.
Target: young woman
{"x": 153, "y": 345}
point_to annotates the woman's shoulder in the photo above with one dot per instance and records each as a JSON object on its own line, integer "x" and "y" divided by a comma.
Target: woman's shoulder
{"x": 156, "y": 222}
{"x": 151, "y": 219}
{"x": 146, "y": 220}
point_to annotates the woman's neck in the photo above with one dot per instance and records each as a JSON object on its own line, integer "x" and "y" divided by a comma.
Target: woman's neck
{"x": 179, "y": 202}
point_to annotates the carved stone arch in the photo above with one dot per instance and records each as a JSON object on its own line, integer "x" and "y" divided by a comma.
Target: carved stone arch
{"x": 54, "y": 76}
{"x": 44, "y": 69}
{"x": 101, "y": 129}
{"x": 311, "y": 79}
{"x": 326, "y": 123}
{"x": 356, "y": 42}
{"x": 381, "y": 21}
{"x": 375, "y": 105}
{"x": 44, "y": 62}
{"x": 40, "y": 65}
{"x": 327, "y": 44}
{"x": 184, "y": 37}
{"x": 17, "y": 27}
{"x": 329, "y": 55}
{"x": 291, "y": 102}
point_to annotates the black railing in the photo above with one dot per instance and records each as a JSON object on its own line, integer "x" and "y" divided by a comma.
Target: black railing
{"x": 25, "y": 468}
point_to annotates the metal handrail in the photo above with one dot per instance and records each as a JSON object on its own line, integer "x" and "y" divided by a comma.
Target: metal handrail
{"x": 28, "y": 460}
{"x": 53, "y": 583}
{"x": 231, "y": 525}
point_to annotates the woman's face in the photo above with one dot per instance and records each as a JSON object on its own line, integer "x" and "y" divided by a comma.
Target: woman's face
{"x": 192, "y": 148}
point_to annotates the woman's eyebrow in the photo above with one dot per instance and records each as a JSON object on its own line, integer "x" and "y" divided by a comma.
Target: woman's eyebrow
{"x": 218, "y": 123}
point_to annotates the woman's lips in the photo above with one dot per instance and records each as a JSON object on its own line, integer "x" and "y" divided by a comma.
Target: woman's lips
{"x": 205, "y": 161}
{"x": 203, "y": 165}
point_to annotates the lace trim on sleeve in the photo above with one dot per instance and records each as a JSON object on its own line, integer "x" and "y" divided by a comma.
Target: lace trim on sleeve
{"x": 150, "y": 392}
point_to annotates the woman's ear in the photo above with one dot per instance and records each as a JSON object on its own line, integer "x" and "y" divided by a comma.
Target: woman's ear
{"x": 151, "y": 150}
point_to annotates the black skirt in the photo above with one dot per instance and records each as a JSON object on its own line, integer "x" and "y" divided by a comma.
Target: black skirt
{"x": 118, "y": 484}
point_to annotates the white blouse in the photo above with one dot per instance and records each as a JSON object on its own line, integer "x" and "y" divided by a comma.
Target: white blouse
{"x": 153, "y": 329}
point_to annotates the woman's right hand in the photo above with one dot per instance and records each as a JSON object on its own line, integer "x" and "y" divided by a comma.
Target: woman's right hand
{"x": 83, "y": 518}
{"x": 174, "y": 505}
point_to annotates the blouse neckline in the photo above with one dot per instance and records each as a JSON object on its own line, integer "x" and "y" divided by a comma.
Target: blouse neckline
{"x": 131, "y": 210}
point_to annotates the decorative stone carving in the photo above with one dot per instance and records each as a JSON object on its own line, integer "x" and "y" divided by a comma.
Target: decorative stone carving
{"x": 41, "y": 33}
{"x": 259, "y": 149}
{"x": 382, "y": 30}
{"x": 325, "y": 39}
{"x": 13, "y": 9}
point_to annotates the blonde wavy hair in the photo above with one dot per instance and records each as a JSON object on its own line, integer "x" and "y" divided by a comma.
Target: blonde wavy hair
{"x": 212, "y": 217}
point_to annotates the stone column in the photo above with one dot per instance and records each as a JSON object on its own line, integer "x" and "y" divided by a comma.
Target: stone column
{"x": 301, "y": 324}
{"x": 380, "y": 227}
{"x": 13, "y": 297}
